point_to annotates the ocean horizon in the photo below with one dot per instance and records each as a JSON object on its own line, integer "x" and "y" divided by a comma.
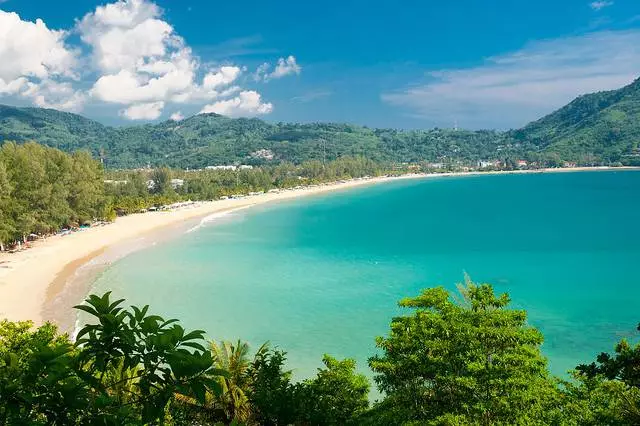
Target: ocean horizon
{"x": 323, "y": 274}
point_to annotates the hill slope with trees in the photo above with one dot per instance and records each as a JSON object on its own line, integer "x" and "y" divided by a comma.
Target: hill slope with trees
{"x": 600, "y": 125}
{"x": 599, "y": 128}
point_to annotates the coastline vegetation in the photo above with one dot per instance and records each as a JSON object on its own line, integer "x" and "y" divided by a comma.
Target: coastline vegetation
{"x": 45, "y": 191}
{"x": 452, "y": 359}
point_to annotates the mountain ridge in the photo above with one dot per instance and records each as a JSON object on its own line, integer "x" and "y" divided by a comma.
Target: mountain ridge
{"x": 601, "y": 127}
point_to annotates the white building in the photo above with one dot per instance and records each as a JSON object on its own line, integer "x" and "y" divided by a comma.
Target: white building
{"x": 177, "y": 183}
{"x": 220, "y": 167}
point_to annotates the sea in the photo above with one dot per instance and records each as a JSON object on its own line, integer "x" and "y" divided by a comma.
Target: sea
{"x": 324, "y": 273}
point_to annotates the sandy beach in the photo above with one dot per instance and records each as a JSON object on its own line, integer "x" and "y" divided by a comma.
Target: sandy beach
{"x": 32, "y": 278}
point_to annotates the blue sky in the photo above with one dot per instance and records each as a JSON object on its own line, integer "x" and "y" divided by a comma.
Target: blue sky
{"x": 407, "y": 64}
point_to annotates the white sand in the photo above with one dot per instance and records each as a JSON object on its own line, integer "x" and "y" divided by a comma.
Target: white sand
{"x": 25, "y": 276}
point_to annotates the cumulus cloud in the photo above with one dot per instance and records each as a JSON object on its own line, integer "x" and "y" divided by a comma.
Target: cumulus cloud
{"x": 598, "y": 5}
{"x": 512, "y": 89}
{"x": 52, "y": 94}
{"x": 177, "y": 116}
{"x": 35, "y": 62}
{"x": 284, "y": 67}
{"x": 134, "y": 58}
{"x": 143, "y": 111}
{"x": 248, "y": 103}
{"x": 223, "y": 77}
{"x": 143, "y": 61}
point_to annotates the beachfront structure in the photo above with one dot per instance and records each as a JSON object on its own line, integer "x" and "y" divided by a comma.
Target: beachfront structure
{"x": 220, "y": 167}
{"x": 522, "y": 163}
{"x": 435, "y": 165}
{"x": 177, "y": 183}
{"x": 240, "y": 167}
{"x": 488, "y": 163}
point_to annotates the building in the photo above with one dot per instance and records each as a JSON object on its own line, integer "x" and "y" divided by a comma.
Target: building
{"x": 435, "y": 165}
{"x": 522, "y": 163}
{"x": 487, "y": 163}
{"x": 220, "y": 167}
{"x": 177, "y": 183}
{"x": 265, "y": 154}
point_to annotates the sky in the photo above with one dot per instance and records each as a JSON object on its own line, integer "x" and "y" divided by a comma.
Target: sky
{"x": 405, "y": 64}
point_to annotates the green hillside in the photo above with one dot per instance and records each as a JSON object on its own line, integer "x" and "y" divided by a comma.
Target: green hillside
{"x": 599, "y": 128}
{"x": 604, "y": 125}
{"x": 211, "y": 139}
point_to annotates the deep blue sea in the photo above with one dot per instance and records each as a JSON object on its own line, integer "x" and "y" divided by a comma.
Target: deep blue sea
{"x": 323, "y": 274}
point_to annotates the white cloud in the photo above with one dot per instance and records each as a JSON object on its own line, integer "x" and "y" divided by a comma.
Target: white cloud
{"x": 223, "y": 77}
{"x": 34, "y": 62}
{"x": 247, "y": 104}
{"x": 51, "y": 94}
{"x": 177, "y": 116}
{"x": 122, "y": 34}
{"x": 135, "y": 59}
{"x": 284, "y": 67}
{"x": 143, "y": 61}
{"x": 143, "y": 111}
{"x": 598, "y": 5}
{"x": 510, "y": 90}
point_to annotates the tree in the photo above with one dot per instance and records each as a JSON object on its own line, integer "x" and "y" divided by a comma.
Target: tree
{"x": 125, "y": 369}
{"x": 609, "y": 387}
{"x": 235, "y": 360}
{"x": 161, "y": 179}
{"x": 623, "y": 366}
{"x": 272, "y": 395}
{"x": 469, "y": 360}
{"x": 336, "y": 396}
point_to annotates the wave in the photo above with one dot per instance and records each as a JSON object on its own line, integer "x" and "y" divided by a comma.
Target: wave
{"x": 213, "y": 217}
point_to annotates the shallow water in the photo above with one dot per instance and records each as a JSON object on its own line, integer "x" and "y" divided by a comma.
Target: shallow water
{"x": 323, "y": 274}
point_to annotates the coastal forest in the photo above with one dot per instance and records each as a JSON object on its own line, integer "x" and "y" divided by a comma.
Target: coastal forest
{"x": 595, "y": 129}
{"x": 45, "y": 191}
{"x": 453, "y": 358}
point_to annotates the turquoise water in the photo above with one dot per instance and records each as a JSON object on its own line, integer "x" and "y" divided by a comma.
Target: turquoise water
{"x": 323, "y": 274}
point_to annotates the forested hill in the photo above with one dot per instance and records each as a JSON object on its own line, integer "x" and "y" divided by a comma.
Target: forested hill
{"x": 211, "y": 139}
{"x": 603, "y": 124}
{"x": 598, "y": 128}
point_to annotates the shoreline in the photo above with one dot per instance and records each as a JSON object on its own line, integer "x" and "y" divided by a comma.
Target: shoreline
{"x": 41, "y": 283}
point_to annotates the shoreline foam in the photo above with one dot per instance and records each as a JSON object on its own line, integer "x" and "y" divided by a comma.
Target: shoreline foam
{"x": 31, "y": 281}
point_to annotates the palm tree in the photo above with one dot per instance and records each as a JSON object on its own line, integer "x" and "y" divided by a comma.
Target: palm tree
{"x": 236, "y": 361}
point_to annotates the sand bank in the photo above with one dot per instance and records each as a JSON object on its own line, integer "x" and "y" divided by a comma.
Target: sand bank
{"x": 30, "y": 280}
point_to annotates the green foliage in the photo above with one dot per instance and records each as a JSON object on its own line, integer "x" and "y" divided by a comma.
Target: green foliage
{"x": 336, "y": 396}
{"x": 473, "y": 360}
{"x": 465, "y": 360}
{"x": 210, "y": 139}
{"x": 623, "y": 366}
{"x": 233, "y": 358}
{"x": 125, "y": 369}
{"x": 37, "y": 383}
{"x": 594, "y": 128}
{"x": 43, "y": 189}
{"x": 272, "y": 394}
